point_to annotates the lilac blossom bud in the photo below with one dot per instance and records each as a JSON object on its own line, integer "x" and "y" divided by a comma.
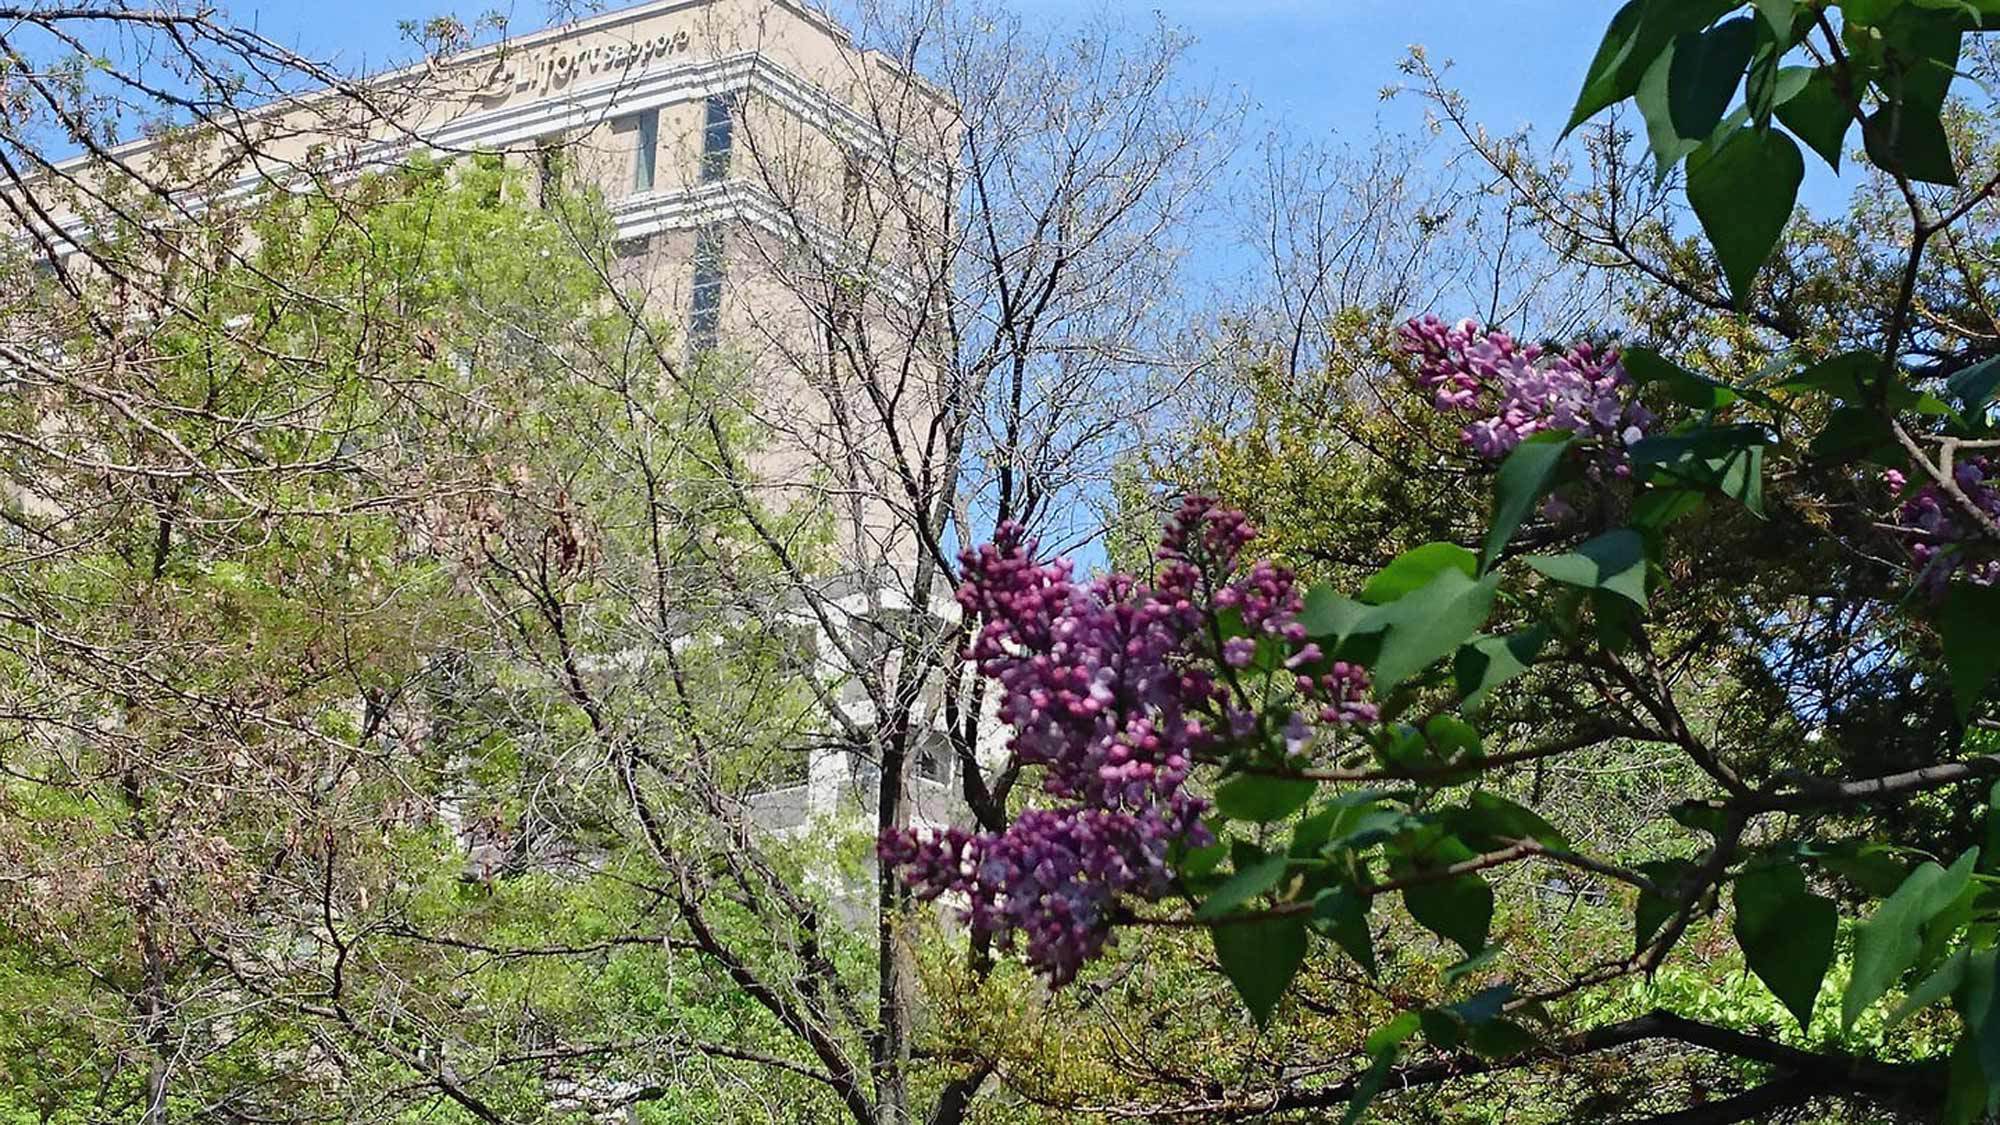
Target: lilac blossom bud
{"x": 1115, "y": 688}
{"x": 1943, "y": 538}
{"x": 1516, "y": 391}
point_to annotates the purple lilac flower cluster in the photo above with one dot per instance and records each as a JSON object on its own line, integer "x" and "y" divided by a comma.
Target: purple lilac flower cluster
{"x": 1937, "y": 523}
{"x": 1343, "y": 692}
{"x": 1115, "y": 689}
{"x": 1517, "y": 390}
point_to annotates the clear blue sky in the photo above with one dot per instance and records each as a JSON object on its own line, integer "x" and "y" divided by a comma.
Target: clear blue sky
{"x": 1317, "y": 65}
{"x": 1320, "y": 63}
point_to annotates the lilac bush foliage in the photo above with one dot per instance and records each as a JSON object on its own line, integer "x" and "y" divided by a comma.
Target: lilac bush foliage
{"x": 1516, "y": 390}
{"x": 1939, "y": 529}
{"x": 1117, "y": 688}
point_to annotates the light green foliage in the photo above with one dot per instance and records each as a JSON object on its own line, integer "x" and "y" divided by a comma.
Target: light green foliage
{"x": 413, "y": 466}
{"x": 1723, "y": 588}
{"x": 1723, "y": 631}
{"x": 399, "y": 532}
{"x": 1330, "y": 464}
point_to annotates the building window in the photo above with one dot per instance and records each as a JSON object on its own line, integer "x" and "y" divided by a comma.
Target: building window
{"x": 717, "y": 137}
{"x": 934, "y": 758}
{"x": 850, "y": 193}
{"x": 705, "y": 312}
{"x": 649, "y": 145}
{"x": 549, "y": 169}
{"x": 864, "y": 772}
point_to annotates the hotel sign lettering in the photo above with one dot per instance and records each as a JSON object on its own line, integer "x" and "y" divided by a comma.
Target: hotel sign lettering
{"x": 552, "y": 68}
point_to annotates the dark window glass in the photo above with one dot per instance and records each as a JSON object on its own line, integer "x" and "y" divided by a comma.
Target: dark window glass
{"x": 850, "y": 194}
{"x": 649, "y": 145}
{"x": 865, "y": 772}
{"x": 549, "y": 170}
{"x": 705, "y": 312}
{"x": 717, "y": 137}
{"x": 934, "y": 759}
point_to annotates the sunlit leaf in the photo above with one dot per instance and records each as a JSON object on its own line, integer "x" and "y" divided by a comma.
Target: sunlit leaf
{"x": 1525, "y": 477}
{"x": 1614, "y": 561}
{"x": 1967, "y": 627}
{"x": 1743, "y": 191}
{"x": 1638, "y": 33}
{"x": 1890, "y": 940}
{"x": 1260, "y": 958}
{"x": 1786, "y": 933}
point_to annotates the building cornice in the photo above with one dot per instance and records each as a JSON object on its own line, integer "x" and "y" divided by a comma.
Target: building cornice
{"x": 585, "y": 106}
{"x": 470, "y": 59}
{"x": 739, "y": 201}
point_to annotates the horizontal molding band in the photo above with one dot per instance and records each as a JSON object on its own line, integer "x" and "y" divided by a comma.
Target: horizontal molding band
{"x": 642, "y": 214}
{"x": 638, "y": 216}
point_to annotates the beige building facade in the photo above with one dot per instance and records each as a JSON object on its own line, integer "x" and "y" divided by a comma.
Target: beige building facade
{"x": 777, "y": 193}
{"x": 768, "y": 180}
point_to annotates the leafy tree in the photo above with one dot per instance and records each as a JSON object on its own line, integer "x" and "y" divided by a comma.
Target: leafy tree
{"x": 1771, "y": 555}
{"x": 285, "y": 649}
